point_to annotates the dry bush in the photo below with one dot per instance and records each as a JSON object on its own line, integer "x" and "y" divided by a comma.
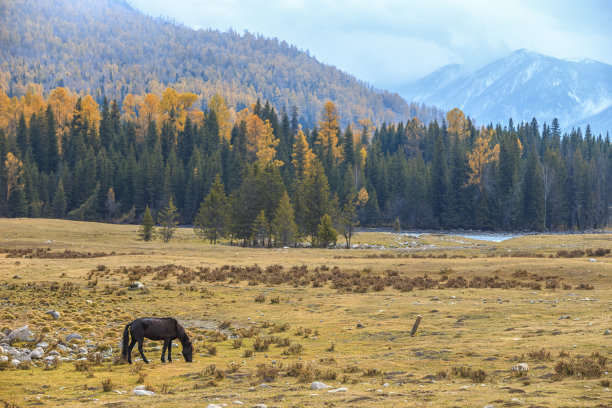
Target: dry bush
{"x": 260, "y": 298}
{"x": 237, "y": 343}
{"x": 371, "y": 372}
{"x": 584, "y": 286}
{"x": 267, "y": 373}
{"x": 539, "y": 355}
{"x": 592, "y": 366}
{"x": 293, "y": 349}
{"x": 261, "y": 344}
{"x": 248, "y": 353}
{"x": 232, "y": 367}
{"x": 247, "y": 333}
{"x": 107, "y": 385}
{"x": 279, "y": 327}
{"x": 275, "y": 300}
{"x": 81, "y": 365}
{"x": 467, "y": 372}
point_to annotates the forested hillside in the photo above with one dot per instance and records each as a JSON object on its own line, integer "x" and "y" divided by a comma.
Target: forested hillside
{"x": 105, "y": 48}
{"x": 261, "y": 177}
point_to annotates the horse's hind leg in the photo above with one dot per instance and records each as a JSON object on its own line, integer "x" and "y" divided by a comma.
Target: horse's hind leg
{"x": 169, "y": 351}
{"x": 140, "y": 341}
{"x": 130, "y": 347}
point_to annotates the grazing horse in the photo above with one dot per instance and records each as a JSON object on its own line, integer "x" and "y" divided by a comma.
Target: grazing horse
{"x": 155, "y": 328}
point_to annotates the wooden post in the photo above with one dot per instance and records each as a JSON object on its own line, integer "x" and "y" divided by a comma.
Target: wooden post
{"x": 416, "y": 325}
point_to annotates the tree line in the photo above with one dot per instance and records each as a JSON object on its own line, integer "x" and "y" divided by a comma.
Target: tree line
{"x": 257, "y": 177}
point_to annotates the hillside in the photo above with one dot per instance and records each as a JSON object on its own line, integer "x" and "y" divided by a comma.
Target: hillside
{"x": 106, "y": 48}
{"x": 522, "y": 86}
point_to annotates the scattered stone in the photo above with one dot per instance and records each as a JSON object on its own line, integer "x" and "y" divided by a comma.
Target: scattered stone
{"x": 564, "y": 317}
{"x": 56, "y": 315}
{"x": 141, "y": 390}
{"x": 607, "y": 332}
{"x": 37, "y": 353}
{"x": 360, "y": 326}
{"x": 24, "y": 357}
{"x": 3, "y": 359}
{"x": 15, "y": 362}
{"x": 592, "y": 260}
{"x": 82, "y": 350}
{"x": 74, "y": 336}
{"x": 317, "y": 385}
{"x": 16, "y": 277}
{"x": 1, "y": 350}
{"x": 519, "y": 368}
{"x": 42, "y": 344}
{"x": 260, "y": 406}
{"x": 238, "y": 403}
{"x": 213, "y": 406}
{"x": 342, "y": 389}
{"x": 20, "y": 334}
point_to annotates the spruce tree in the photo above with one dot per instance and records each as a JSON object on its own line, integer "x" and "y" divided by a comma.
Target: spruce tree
{"x": 59, "y": 201}
{"x": 168, "y": 219}
{"x": 260, "y": 229}
{"x": 211, "y": 221}
{"x": 147, "y": 227}
{"x": 326, "y": 234}
{"x": 283, "y": 226}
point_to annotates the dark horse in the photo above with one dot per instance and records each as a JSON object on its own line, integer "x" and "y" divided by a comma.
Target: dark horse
{"x": 155, "y": 328}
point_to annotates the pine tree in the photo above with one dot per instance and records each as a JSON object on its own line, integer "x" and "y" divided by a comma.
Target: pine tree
{"x": 260, "y": 229}
{"x": 283, "y": 226}
{"x": 211, "y": 221}
{"x": 348, "y": 219}
{"x": 59, "y": 201}
{"x": 168, "y": 219}
{"x": 147, "y": 227}
{"x": 326, "y": 234}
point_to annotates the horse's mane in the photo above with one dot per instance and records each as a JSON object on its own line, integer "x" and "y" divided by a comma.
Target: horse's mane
{"x": 180, "y": 331}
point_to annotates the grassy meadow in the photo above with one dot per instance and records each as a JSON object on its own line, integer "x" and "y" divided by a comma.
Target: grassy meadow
{"x": 266, "y": 323}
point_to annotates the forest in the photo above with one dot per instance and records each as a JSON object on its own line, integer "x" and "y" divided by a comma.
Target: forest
{"x": 106, "y": 48}
{"x": 261, "y": 178}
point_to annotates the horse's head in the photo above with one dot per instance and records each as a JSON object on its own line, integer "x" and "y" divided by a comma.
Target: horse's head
{"x": 188, "y": 352}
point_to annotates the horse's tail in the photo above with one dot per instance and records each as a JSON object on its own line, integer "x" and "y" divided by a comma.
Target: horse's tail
{"x": 126, "y": 340}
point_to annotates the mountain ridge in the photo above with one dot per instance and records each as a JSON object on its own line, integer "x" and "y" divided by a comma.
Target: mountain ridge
{"x": 523, "y": 85}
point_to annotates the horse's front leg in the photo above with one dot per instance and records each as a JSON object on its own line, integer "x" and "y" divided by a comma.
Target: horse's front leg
{"x": 170, "y": 350}
{"x": 164, "y": 351}
{"x": 140, "y": 341}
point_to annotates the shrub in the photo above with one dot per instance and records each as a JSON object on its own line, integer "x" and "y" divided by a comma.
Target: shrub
{"x": 107, "y": 385}
{"x": 267, "y": 373}
{"x": 293, "y": 349}
{"x": 81, "y": 365}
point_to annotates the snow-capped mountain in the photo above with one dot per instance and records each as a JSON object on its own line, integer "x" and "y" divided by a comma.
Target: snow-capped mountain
{"x": 522, "y": 86}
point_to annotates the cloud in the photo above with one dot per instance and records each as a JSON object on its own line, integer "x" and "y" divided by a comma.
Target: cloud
{"x": 388, "y": 43}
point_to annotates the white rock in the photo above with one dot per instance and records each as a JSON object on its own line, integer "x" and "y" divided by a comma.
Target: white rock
{"x": 74, "y": 336}
{"x": 21, "y": 334}
{"x": 238, "y": 403}
{"x": 519, "y": 368}
{"x": 3, "y": 359}
{"x": 317, "y": 385}
{"x": 142, "y": 391}
{"x": 261, "y": 406}
{"x": 213, "y": 406}
{"x": 136, "y": 285}
{"x": 37, "y": 353}
{"x": 43, "y": 344}
{"x": 1, "y": 350}
{"x": 55, "y": 314}
{"x": 15, "y": 362}
{"x": 342, "y": 389}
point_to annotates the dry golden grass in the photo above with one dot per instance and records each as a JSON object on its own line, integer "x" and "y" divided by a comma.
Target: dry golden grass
{"x": 468, "y": 340}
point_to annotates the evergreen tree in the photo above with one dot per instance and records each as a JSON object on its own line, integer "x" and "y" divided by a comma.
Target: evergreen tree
{"x": 348, "y": 219}
{"x": 59, "y": 201}
{"x": 168, "y": 221}
{"x": 211, "y": 221}
{"x": 147, "y": 227}
{"x": 439, "y": 186}
{"x": 283, "y": 226}
{"x": 326, "y": 234}
{"x": 312, "y": 201}
{"x": 260, "y": 229}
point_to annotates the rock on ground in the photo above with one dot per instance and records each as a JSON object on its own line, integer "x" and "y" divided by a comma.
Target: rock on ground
{"x": 38, "y": 352}
{"x": 522, "y": 367}
{"x": 342, "y": 389}
{"x": 21, "y": 334}
{"x": 141, "y": 390}
{"x": 73, "y": 336}
{"x": 317, "y": 385}
{"x": 56, "y": 315}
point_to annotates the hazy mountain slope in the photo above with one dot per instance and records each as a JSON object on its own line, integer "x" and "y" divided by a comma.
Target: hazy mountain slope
{"x": 107, "y": 48}
{"x": 522, "y": 86}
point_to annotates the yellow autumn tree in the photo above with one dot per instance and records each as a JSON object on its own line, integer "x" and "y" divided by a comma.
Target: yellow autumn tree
{"x": 129, "y": 107}
{"x": 173, "y": 102}
{"x": 261, "y": 143}
{"x": 13, "y": 168}
{"x": 148, "y": 110}
{"x": 8, "y": 112}
{"x": 217, "y": 104}
{"x": 457, "y": 124}
{"x": 302, "y": 156}
{"x": 481, "y": 155}
{"x": 62, "y": 101}
{"x": 32, "y": 101}
{"x": 329, "y": 126}
{"x": 90, "y": 110}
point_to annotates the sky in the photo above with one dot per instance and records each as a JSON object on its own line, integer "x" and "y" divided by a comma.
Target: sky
{"x": 389, "y": 43}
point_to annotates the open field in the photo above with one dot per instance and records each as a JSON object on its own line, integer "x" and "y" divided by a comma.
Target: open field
{"x": 342, "y": 317}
